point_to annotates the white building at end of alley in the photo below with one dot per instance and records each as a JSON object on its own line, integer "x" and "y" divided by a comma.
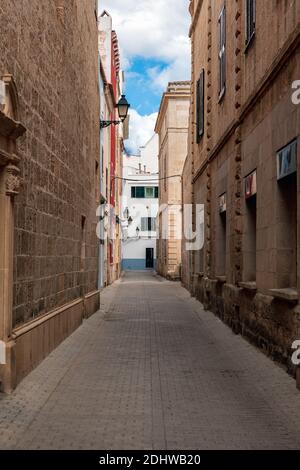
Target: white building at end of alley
{"x": 140, "y": 208}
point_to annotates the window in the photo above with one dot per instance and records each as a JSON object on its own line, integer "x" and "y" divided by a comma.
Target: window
{"x": 221, "y": 236}
{"x": 102, "y": 162}
{"x": 222, "y": 52}
{"x": 286, "y": 217}
{"x": 250, "y": 224}
{"x": 287, "y": 160}
{"x": 250, "y": 20}
{"x": 97, "y": 182}
{"x": 200, "y": 107}
{"x": 150, "y": 192}
{"x": 138, "y": 192}
{"x": 106, "y": 182}
{"x": 148, "y": 224}
{"x": 83, "y": 243}
{"x": 165, "y": 172}
{"x": 142, "y": 192}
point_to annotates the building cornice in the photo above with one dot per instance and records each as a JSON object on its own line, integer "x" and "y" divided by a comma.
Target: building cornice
{"x": 164, "y": 103}
{"x": 195, "y": 18}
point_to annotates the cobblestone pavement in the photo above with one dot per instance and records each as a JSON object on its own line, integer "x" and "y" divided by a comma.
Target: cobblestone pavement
{"x": 152, "y": 370}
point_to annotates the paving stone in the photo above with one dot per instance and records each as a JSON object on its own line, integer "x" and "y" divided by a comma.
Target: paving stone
{"x": 153, "y": 370}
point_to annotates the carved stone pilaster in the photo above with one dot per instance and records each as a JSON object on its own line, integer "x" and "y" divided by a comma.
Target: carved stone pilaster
{"x": 12, "y": 180}
{"x": 10, "y": 130}
{"x": 61, "y": 13}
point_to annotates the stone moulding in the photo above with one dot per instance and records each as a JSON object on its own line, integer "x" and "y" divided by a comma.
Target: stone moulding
{"x": 10, "y": 128}
{"x": 91, "y": 303}
{"x": 30, "y": 343}
{"x": 34, "y": 341}
{"x": 13, "y": 181}
{"x": 10, "y": 182}
{"x": 23, "y": 329}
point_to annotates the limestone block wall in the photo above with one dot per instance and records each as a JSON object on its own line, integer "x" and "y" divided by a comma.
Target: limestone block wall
{"x": 50, "y": 49}
{"x": 244, "y": 270}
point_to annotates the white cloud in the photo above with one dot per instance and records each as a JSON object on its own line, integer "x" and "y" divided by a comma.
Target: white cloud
{"x": 154, "y": 29}
{"x": 141, "y": 129}
{"x": 177, "y": 70}
{"x": 151, "y": 29}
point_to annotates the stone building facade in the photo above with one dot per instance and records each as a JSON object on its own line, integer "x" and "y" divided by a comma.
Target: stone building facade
{"x": 172, "y": 128}
{"x": 111, "y": 152}
{"x": 49, "y": 155}
{"x": 244, "y": 160}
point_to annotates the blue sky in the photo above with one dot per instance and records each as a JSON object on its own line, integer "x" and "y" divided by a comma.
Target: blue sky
{"x": 142, "y": 96}
{"x": 155, "y": 49}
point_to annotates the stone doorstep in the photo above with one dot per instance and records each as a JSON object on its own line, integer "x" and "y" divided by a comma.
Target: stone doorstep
{"x": 291, "y": 295}
{"x": 221, "y": 279}
{"x": 251, "y": 286}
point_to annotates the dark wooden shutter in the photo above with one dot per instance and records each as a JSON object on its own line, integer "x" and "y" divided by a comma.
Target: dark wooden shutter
{"x": 222, "y": 50}
{"x": 250, "y": 19}
{"x": 140, "y": 192}
{"x": 200, "y": 107}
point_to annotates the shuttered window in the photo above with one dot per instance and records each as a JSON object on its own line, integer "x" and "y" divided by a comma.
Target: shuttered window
{"x": 250, "y": 20}
{"x": 148, "y": 224}
{"x": 142, "y": 192}
{"x": 222, "y": 52}
{"x": 200, "y": 107}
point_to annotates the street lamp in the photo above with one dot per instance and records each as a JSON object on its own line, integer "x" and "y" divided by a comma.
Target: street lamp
{"x": 123, "y": 107}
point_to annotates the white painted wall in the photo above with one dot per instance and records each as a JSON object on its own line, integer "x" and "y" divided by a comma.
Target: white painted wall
{"x": 143, "y": 169}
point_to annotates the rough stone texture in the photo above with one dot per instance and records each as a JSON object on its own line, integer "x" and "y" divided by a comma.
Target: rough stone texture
{"x": 153, "y": 370}
{"x": 172, "y": 128}
{"x": 50, "y": 48}
{"x": 243, "y": 132}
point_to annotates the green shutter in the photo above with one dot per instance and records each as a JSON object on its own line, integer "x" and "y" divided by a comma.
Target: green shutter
{"x": 140, "y": 192}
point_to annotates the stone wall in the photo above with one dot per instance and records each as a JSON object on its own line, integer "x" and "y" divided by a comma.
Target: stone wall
{"x": 172, "y": 128}
{"x": 50, "y": 48}
{"x": 255, "y": 290}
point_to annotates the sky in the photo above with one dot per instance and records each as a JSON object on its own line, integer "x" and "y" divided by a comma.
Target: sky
{"x": 155, "y": 49}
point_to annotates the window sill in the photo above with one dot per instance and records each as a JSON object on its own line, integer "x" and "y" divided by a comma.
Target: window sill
{"x": 249, "y": 42}
{"x": 291, "y": 295}
{"x": 250, "y": 286}
{"x": 221, "y": 95}
{"x": 199, "y": 138}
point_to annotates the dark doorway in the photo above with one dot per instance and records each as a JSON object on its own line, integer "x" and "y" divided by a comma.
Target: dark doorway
{"x": 149, "y": 258}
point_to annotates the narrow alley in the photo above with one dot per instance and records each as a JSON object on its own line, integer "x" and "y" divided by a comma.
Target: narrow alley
{"x": 152, "y": 370}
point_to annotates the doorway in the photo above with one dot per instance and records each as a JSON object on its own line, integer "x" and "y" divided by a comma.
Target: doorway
{"x": 149, "y": 258}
